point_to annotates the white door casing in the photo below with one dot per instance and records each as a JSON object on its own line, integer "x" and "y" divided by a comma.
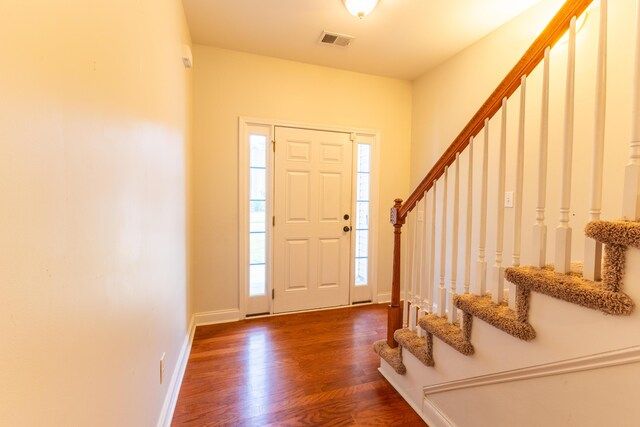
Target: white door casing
{"x": 311, "y": 249}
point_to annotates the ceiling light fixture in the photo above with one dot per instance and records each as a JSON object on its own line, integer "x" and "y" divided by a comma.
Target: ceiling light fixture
{"x": 360, "y": 8}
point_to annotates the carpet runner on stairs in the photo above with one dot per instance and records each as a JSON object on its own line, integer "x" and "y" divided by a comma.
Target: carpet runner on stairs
{"x": 605, "y": 296}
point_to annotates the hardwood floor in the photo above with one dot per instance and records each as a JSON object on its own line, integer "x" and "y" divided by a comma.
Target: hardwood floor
{"x": 305, "y": 369}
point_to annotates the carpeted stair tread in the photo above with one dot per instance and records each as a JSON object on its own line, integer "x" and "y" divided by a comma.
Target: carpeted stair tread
{"x": 498, "y": 315}
{"x": 451, "y": 334}
{"x": 625, "y": 233}
{"x": 393, "y": 356}
{"x": 410, "y": 341}
{"x": 571, "y": 287}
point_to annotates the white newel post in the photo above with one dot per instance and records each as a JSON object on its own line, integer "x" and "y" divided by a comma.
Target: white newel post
{"x": 517, "y": 220}
{"x": 540, "y": 228}
{"x": 563, "y": 231}
{"x": 631, "y": 195}
{"x": 593, "y": 248}
{"x": 442, "y": 292}
{"x": 453, "y": 287}
{"x": 467, "y": 245}
{"x": 481, "y": 264}
{"x": 497, "y": 292}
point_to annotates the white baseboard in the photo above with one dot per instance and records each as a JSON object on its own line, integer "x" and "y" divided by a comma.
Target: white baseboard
{"x": 384, "y": 297}
{"x": 433, "y": 416}
{"x": 401, "y": 392}
{"x": 171, "y": 398}
{"x": 218, "y": 316}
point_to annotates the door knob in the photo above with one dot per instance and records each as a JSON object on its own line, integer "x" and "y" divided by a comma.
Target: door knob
{"x": 346, "y": 216}
{"x": 346, "y": 228}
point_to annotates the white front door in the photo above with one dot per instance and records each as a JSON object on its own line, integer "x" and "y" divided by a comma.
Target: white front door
{"x": 312, "y": 209}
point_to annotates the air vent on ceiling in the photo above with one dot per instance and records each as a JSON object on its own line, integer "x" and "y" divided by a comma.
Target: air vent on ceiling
{"x": 335, "y": 39}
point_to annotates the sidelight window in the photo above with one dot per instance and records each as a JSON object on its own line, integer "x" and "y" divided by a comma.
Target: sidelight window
{"x": 257, "y": 214}
{"x": 363, "y": 187}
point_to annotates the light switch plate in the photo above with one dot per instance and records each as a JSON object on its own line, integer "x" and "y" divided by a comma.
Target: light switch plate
{"x": 508, "y": 199}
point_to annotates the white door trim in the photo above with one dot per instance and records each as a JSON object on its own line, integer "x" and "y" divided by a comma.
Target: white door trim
{"x": 362, "y": 135}
{"x": 374, "y": 188}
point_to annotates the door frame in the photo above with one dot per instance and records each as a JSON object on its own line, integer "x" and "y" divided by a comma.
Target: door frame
{"x": 249, "y": 125}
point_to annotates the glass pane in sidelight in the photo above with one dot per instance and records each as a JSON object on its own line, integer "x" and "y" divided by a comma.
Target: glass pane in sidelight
{"x": 257, "y": 215}
{"x": 257, "y": 283}
{"x": 257, "y": 151}
{"x": 361, "y": 271}
{"x": 258, "y": 185}
{"x": 362, "y": 187}
{"x": 362, "y": 215}
{"x": 364, "y": 158}
{"x": 257, "y": 248}
{"x": 362, "y": 243}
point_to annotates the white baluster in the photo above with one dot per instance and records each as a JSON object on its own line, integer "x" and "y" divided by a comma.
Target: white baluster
{"x": 407, "y": 272}
{"x": 442, "y": 292}
{"x": 563, "y": 231}
{"x": 467, "y": 246}
{"x": 540, "y": 228}
{"x": 498, "y": 270}
{"x": 432, "y": 250}
{"x": 417, "y": 266}
{"x": 517, "y": 229}
{"x": 481, "y": 264}
{"x": 453, "y": 287}
{"x": 424, "y": 303}
{"x": 631, "y": 195}
{"x": 593, "y": 248}
{"x": 517, "y": 221}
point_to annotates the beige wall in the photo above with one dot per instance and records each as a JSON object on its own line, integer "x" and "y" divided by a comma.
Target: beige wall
{"x": 93, "y": 136}
{"x": 445, "y": 98}
{"x": 230, "y": 84}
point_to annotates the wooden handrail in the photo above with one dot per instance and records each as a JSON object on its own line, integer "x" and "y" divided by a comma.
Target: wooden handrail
{"x": 532, "y": 57}
{"x": 530, "y": 60}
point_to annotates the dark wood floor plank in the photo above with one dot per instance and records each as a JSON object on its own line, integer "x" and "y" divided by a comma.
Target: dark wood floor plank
{"x": 305, "y": 369}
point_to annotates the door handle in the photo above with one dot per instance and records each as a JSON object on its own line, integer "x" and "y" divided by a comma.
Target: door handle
{"x": 346, "y": 228}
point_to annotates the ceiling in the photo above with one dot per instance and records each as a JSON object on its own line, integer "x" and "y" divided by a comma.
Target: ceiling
{"x": 401, "y": 38}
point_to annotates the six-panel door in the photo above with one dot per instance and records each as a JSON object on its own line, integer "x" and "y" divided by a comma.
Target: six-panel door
{"x": 311, "y": 254}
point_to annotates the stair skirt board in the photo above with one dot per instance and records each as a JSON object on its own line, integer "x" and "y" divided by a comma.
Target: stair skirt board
{"x": 607, "y": 359}
{"x": 554, "y": 388}
{"x": 452, "y": 334}
{"x": 393, "y": 356}
{"x": 421, "y": 348}
{"x": 498, "y": 315}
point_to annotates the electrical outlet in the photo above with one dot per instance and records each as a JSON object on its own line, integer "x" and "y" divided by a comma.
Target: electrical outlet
{"x": 162, "y": 367}
{"x": 508, "y": 199}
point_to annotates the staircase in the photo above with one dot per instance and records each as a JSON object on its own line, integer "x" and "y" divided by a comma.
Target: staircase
{"x": 545, "y": 341}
